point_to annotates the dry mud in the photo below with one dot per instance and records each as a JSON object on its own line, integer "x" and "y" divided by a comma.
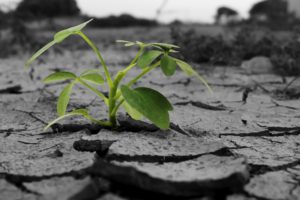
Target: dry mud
{"x": 226, "y": 145}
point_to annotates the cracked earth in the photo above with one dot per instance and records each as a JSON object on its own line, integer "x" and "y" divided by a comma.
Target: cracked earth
{"x": 225, "y": 145}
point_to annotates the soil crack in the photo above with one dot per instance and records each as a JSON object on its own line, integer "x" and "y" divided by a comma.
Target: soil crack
{"x": 164, "y": 159}
{"x": 263, "y": 169}
{"x": 201, "y": 105}
{"x": 19, "y": 180}
{"x": 184, "y": 82}
{"x": 12, "y": 90}
{"x": 267, "y": 133}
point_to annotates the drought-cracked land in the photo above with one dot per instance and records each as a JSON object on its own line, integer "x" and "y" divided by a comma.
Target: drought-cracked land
{"x": 232, "y": 144}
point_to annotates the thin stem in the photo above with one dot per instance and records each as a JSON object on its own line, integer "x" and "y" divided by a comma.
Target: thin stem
{"x": 137, "y": 55}
{"x": 101, "y": 123}
{"x": 96, "y": 50}
{"x": 112, "y": 100}
{"x": 129, "y": 68}
{"x": 143, "y": 73}
{"x": 115, "y": 110}
{"x": 134, "y": 80}
{"x": 100, "y": 94}
{"x": 133, "y": 62}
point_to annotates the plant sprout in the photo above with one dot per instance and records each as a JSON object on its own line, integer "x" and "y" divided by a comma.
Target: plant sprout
{"x": 138, "y": 102}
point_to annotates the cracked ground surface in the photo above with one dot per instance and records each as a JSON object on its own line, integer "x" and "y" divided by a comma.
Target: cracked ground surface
{"x": 218, "y": 147}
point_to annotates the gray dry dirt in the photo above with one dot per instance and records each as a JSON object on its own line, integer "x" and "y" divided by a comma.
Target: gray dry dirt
{"x": 219, "y": 147}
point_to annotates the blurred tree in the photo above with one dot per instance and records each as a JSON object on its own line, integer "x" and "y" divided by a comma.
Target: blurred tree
{"x": 271, "y": 12}
{"x": 226, "y": 15}
{"x": 49, "y": 8}
{"x": 124, "y": 20}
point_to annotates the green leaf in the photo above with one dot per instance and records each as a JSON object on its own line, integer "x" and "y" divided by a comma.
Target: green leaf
{"x": 59, "y": 37}
{"x": 147, "y": 58}
{"x": 90, "y": 71}
{"x": 173, "y": 51}
{"x": 39, "y": 53}
{"x": 59, "y": 76}
{"x": 94, "y": 78}
{"x": 82, "y": 112}
{"x": 126, "y": 43}
{"x": 123, "y": 41}
{"x": 134, "y": 114}
{"x": 85, "y": 114}
{"x": 186, "y": 68}
{"x": 63, "y": 99}
{"x": 62, "y": 35}
{"x": 140, "y": 43}
{"x": 150, "y": 103}
{"x": 164, "y": 45}
{"x": 157, "y": 97}
{"x": 168, "y": 65}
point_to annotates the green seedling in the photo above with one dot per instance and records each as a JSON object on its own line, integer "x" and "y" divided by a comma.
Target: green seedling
{"x": 138, "y": 102}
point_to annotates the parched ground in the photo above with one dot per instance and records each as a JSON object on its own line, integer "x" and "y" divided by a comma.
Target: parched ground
{"x": 218, "y": 147}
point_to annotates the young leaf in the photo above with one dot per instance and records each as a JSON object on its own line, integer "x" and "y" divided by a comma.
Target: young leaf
{"x": 94, "y": 78}
{"x": 123, "y": 41}
{"x": 147, "y": 58}
{"x": 140, "y": 43}
{"x": 156, "y": 97}
{"x": 186, "y": 68}
{"x": 164, "y": 45}
{"x": 39, "y": 53}
{"x": 62, "y": 35}
{"x": 90, "y": 71}
{"x": 59, "y": 37}
{"x": 85, "y": 114}
{"x": 63, "y": 99}
{"x": 134, "y": 114}
{"x": 59, "y": 76}
{"x": 129, "y": 43}
{"x": 79, "y": 112}
{"x": 150, "y": 103}
{"x": 168, "y": 65}
{"x": 126, "y": 43}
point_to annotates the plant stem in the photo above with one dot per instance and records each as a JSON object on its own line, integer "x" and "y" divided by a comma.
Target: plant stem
{"x": 133, "y": 62}
{"x": 115, "y": 110}
{"x": 127, "y": 69}
{"x": 112, "y": 100}
{"x": 143, "y": 73}
{"x": 137, "y": 55}
{"x": 100, "y": 94}
{"x": 117, "y": 95}
{"x": 134, "y": 80}
{"x": 96, "y": 50}
{"x": 101, "y": 123}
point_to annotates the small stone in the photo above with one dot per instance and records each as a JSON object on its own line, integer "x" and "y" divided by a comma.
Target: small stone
{"x": 258, "y": 65}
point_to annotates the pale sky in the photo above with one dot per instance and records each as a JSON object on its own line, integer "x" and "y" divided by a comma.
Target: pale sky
{"x": 185, "y": 10}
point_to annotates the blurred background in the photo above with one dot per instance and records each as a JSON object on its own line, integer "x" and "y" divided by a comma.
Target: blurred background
{"x": 218, "y": 32}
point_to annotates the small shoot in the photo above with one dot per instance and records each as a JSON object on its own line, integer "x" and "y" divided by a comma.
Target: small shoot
{"x": 140, "y": 102}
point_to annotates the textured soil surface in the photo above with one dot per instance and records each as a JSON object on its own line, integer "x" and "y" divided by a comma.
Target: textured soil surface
{"x": 232, "y": 144}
